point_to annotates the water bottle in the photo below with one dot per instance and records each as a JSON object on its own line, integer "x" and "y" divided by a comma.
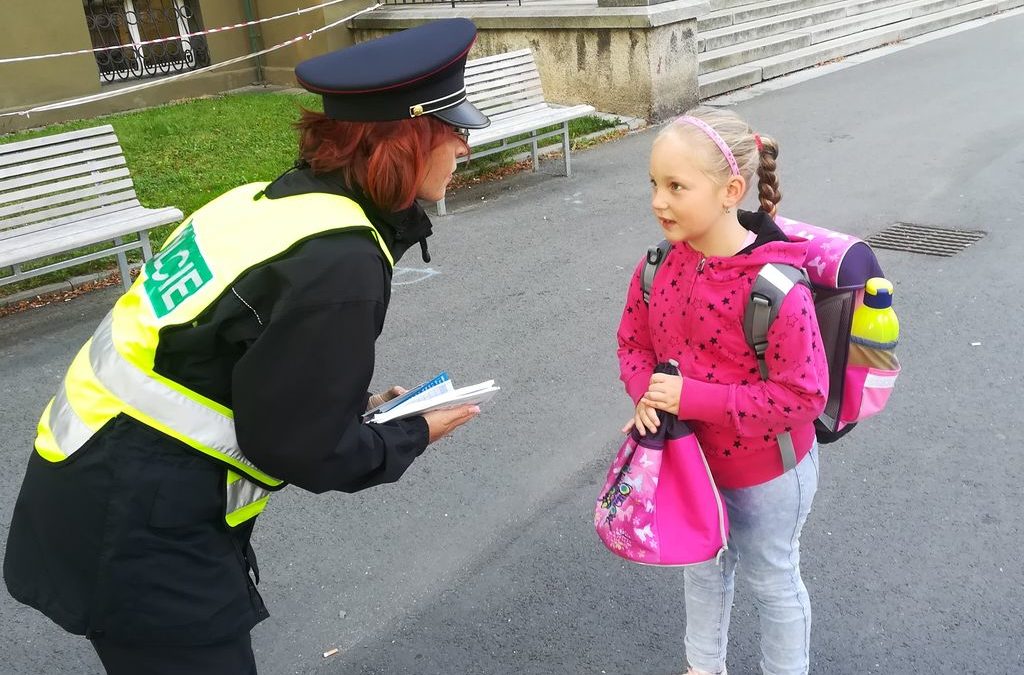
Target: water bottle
{"x": 875, "y": 330}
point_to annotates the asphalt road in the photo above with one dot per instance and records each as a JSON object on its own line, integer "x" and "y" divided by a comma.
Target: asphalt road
{"x": 482, "y": 559}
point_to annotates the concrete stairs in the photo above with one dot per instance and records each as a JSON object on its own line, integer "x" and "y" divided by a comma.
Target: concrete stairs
{"x": 742, "y": 42}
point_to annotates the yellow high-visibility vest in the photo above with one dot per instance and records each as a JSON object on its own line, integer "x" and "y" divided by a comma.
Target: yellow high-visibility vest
{"x": 113, "y": 373}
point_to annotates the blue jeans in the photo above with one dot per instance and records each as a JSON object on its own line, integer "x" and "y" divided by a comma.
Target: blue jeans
{"x": 764, "y": 541}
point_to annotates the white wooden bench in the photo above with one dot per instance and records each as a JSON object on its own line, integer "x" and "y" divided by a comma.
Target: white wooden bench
{"x": 64, "y": 192}
{"x": 506, "y": 87}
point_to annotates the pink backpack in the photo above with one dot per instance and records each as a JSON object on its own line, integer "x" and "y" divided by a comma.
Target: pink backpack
{"x": 659, "y": 504}
{"x": 836, "y": 269}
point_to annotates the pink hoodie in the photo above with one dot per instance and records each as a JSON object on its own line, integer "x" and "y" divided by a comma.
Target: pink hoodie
{"x": 696, "y": 317}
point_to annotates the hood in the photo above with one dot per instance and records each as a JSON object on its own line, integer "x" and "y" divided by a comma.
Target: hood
{"x": 771, "y": 246}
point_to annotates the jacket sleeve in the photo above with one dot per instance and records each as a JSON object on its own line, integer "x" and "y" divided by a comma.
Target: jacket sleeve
{"x": 299, "y": 392}
{"x": 636, "y": 351}
{"x": 797, "y": 384}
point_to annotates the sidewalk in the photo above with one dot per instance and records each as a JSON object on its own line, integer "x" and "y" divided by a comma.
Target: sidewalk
{"x": 483, "y": 559}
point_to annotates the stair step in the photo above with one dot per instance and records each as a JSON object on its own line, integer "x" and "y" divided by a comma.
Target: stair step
{"x": 775, "y": 25}
{"x": 774, "y": 8}
{"x": 862, "y": 22}
{"x": 825, "y": 51}
{"x": 755, "y": 11}
{"x": 717, "y": 5}
{"x": 744, "y": 74}
{"x": 753, "y": 50}
{"x": 937, "y": 6}
{"x": 728, "y": 79}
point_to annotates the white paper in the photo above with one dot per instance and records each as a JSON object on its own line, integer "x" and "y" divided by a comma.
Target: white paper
{"x": 439, "y": 398}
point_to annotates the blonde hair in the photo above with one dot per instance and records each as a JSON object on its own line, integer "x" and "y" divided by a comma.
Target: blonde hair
{"x": 738, "y": 135}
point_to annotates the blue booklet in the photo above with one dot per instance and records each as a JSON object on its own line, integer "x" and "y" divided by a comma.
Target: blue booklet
{"x": 438, "y": 381}
{"x": 436, "y": 394}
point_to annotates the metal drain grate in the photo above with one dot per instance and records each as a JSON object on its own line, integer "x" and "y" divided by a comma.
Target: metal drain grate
{"x": 924, "y": 239}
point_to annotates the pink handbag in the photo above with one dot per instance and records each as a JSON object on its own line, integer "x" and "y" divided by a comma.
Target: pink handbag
{"x": 660, "y": 504}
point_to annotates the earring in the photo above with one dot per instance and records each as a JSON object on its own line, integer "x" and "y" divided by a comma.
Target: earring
{"x": 726, "y": 210}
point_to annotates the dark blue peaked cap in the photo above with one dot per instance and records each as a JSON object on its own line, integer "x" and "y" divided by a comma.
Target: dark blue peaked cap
{"x": 419, "y": 71}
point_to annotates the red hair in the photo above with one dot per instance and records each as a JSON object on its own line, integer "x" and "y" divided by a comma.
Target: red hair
{"x": 387, "y": 160}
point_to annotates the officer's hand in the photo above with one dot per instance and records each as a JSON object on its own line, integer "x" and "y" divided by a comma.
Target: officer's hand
{"x": 381, "y": 399}
{"x": 443, "y": 422}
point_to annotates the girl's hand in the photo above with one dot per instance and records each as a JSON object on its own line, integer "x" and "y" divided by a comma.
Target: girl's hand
{"x": 381, "y": 399}
{"x": 644, "y": 419}
{"x": 663, "y": 393}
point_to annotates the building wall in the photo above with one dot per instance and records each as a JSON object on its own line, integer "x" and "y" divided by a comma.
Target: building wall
{"x": 648, "y": 72}
{"x": 32, "y": 83}
{"x": 279, "y": 66}
{"x": 25, "y": 32}
{"x": 637, "y": 61}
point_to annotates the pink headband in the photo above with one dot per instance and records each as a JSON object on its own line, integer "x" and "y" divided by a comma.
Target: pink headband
{"x": 713, "y": 135}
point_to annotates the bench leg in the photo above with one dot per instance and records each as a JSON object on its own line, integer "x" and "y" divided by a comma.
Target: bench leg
{"x": 147, "y": 248}
{"x": 441, "y": 208}
{"x": 565, "y": 148}
{"x": 535, "y": 162}
{"x": 122, "y": 265}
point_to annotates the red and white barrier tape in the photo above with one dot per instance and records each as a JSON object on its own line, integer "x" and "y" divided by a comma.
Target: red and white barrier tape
{"x": 153, "y": 83}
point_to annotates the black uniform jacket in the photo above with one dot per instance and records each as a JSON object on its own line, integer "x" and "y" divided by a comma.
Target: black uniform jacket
{"x": 126, "y": 538}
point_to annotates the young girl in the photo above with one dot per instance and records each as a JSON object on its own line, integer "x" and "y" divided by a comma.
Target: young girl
{"x": 701, "y": 167}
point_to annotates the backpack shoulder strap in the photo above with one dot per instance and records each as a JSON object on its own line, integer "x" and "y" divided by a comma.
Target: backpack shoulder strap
{"x": 655, "y": 256}
{"x": 773, "y": 284}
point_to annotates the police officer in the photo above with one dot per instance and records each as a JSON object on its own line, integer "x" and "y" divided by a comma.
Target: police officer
{"x": 239, "y": 362}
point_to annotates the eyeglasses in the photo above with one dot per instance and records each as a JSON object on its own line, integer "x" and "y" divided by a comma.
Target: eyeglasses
{"x": 462, "y": 133}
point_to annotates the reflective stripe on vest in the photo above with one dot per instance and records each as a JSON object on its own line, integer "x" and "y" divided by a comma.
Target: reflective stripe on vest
{"x": 245, "y": 499}
{"x": 113, "y": 373}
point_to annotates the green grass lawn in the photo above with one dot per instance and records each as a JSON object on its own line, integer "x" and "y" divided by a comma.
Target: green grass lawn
{"x": 185, "y": 154}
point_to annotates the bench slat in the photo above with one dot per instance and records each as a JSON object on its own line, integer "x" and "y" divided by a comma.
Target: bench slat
{"x": 499, "y": 57}
{"x": 509, "y": 94}
{"x": 121, "y": 213}
{"x": 47, "y": 177}
{"x": 92, "y": 231}
{"x": 98, "y": 180}
{"x": 532, "y": 121}
{"x": 19, "y": 146}
{"x": 512, "y": 82}
{"x": 527, "y": 80}
{"x": 56, "y": 150}
{"x": 502, "y": 118}
{"x": 69, "y": 213}
{"x": 490, "y": 70}
{"x": 512, "y": 105}
{"x": 475, "y": 79}
{"x": 65, "y": 197}
{"x": 57, "y": 162}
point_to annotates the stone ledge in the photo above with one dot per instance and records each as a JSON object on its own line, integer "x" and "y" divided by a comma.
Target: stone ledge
{"x": 578, "y": 16}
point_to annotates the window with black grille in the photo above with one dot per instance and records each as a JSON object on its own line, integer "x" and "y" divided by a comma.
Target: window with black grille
{"x": 120, "y": 28}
